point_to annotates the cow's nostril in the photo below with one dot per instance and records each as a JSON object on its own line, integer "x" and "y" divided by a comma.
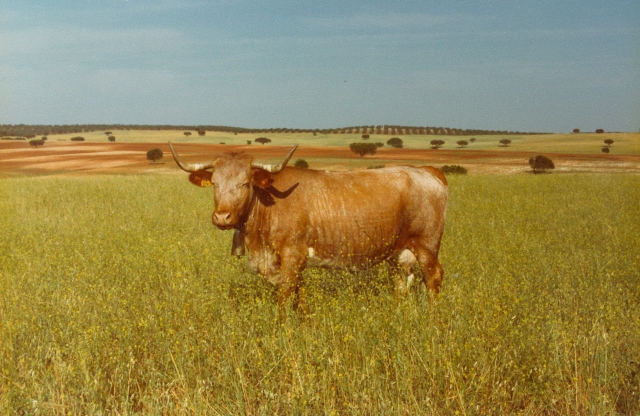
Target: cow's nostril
{"x": 222, "y": 217}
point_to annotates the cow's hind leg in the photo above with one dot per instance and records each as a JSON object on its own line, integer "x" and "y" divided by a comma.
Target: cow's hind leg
{"x": 431, "y": 269}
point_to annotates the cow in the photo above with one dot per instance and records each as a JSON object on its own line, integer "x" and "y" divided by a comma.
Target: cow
{"x": 291, "y": 218}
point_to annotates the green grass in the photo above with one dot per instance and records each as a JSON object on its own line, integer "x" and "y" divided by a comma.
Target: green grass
{"x": 583, "y": 143}
{"x": 118, "y": 296}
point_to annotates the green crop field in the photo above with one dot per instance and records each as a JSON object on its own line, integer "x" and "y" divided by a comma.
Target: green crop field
{"x": 118, "y": 296}
{"x": 582, "y": 143}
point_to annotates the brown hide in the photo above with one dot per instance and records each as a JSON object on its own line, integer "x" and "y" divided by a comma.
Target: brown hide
{"x": 301, "y": 218}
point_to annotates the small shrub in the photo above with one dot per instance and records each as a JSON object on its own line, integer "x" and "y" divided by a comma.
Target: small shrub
{"x": 541, "y": 163}
{"x": 203, "y": 132}
{"x": 505, "y": 142}
{"x": 365, "y": 137}
{"x": 112, "y": 138}
{"x": 599, "y": 131}
{"x": 473, "y": 139}
{"x": 248, "y": 141}
{"x": 576, "y": 130}
{"x": 363, "y": 148}
{"x": 462, "y": 143}
{"x": 36, "y": 143}
{"x": 187, "y": 133}
{"x": 605, "y": 149}
{"x": 436, "y": 144}
{"x": 454, "y": 170}
{"x": 608, "y": 142}
{"x": 301, "y": 163}
{"x": 155, "y": 154}
{"x": 77, "y": 139}
{"x": 395, "y": 142}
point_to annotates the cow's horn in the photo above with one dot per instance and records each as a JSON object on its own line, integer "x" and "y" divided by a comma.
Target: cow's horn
{"x": 189, "y": 167}
{"x": 275, "y": 168}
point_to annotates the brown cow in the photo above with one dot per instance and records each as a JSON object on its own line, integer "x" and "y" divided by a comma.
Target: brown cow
{"x": 290, "y": 218}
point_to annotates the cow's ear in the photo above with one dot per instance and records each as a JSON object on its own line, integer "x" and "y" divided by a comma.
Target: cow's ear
{"x": 200, "y": 178}
{"x": 262, "y": 178}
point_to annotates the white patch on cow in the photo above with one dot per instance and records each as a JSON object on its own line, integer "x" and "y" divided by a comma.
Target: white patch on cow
{"x": 406, "y": 258}
{"x": 312, "y": 252}
{"x": 410, "y": 280}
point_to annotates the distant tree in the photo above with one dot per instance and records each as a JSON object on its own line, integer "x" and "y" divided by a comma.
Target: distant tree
{"x": 576, "y": 130}
{"x": 454, "y": 169}
{"x": 379, "y": 144}
{"x": 77, "y": 139}
{"x": 395, "y": 142}
{"x": 301, "y": 163}
{"x": 436, "y": 144}
{"x": 44, "y": 138}
{"x": 608, "y": 142}
{"x": 262, "y": 140}
{"x": 202, "y": 132}
{"x": 187, "y": 133}
{"x": 363, "y": 148}
{"x": 112, "y": 138}
{"x": 505, "y": 142}
{"x": 599, "y": 131}
{"x": 473, "y": 139}
{"x": 540, "y": 163}
{"x": 605, "y": 149}
{"x": 462, "y": 143}
{"x": 30, "y": 136}
{"x": 36, "y": 143}
{"x": 154, "y": 154}
{"x": 365, "y": 137}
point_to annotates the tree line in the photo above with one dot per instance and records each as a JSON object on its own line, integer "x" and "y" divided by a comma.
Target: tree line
{"x": 26, "y": 130}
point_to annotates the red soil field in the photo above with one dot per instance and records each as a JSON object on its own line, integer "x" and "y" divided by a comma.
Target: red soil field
{"x": 19, "y": 158}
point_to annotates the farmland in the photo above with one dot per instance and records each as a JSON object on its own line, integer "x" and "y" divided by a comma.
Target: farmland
{"x": 118, "y": 296}
{"x": 573, "y": 153}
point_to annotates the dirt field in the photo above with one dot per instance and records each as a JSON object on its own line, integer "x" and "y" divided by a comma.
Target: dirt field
{"x": 19, "y": 158}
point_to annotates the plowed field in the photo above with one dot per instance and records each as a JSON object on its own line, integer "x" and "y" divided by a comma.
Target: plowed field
{"x": 18, "y": 158}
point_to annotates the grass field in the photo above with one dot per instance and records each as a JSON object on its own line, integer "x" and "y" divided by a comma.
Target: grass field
{"x": 583, "y": 143}
{"x": 118, "y": 296}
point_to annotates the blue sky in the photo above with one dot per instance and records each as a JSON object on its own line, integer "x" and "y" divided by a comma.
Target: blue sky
{"x": 505, "y": 65}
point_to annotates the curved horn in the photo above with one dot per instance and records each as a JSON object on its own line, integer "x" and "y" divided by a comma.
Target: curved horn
{"x": 189, "y": 167}
{"x": 275, "y": 168}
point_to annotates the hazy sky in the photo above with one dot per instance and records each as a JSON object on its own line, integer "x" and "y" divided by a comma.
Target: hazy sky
{"x": 524, "y": 65}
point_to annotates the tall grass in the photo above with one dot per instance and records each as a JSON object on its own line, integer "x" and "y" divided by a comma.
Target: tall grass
{"x": 118, "y": 296}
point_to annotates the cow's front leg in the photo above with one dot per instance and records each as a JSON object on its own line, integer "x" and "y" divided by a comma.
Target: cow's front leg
{"x": 291, "y": 266}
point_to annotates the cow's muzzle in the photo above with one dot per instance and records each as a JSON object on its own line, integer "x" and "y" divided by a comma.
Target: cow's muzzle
{"x": 224, "y": 220}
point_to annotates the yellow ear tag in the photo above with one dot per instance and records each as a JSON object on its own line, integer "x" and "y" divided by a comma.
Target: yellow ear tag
{"x": 200, "y": 178}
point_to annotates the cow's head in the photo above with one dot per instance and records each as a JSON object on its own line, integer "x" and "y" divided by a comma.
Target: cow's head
{"x": 233, "y": 177}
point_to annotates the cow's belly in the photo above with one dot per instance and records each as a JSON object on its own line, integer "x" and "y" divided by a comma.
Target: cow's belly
{"x": 350, "y": 260}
